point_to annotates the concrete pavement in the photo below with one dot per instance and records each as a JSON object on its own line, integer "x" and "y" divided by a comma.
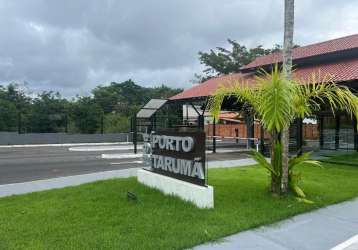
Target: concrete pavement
{"x": 322, "y": 229}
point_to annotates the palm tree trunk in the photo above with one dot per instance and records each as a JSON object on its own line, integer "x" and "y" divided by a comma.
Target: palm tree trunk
{"x": 287, "y": 67}
{"x": 275, "y": 187}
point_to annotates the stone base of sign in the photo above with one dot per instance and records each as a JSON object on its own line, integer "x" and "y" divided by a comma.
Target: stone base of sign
{"x": 202, "y": 197}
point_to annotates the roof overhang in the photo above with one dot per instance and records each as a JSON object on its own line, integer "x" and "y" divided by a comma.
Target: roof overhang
{"x": 151, "y": 108}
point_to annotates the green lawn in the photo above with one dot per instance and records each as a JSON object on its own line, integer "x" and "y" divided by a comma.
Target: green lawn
{"x": 347, "y": 159}
{"x": 99, "y": 216}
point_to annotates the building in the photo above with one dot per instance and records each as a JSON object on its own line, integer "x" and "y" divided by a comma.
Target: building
{"x": 336, "y": 59}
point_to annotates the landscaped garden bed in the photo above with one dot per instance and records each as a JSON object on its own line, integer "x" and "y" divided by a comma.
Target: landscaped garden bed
{"x": 100, "y": 215}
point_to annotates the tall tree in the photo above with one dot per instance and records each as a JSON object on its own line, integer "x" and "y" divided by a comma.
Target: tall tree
{"x": 47, "y": 113}
{"x": 87, "y": 115}
{"x": 287, "y": 70}
{"x": 221, "y": 61}
{"x": 8, "y": 116}
{"x": 127, "y": 97}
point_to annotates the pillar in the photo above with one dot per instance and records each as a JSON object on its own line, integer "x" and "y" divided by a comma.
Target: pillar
{"x": 19, "y": 123}
{"x": 135, "y": 133}
{"x": 299, "y": 135}
{"x": 214, "y": 134}
{"x": 262, "y": 139}
{"x": 321, "y": 140}
{"x": 201, "y": 123}
{"x": 250, "y": 128}
{"x": 338, "y": 125}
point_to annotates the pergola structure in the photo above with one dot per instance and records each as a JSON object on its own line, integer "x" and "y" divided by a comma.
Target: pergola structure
{"x": 336, "y": 59}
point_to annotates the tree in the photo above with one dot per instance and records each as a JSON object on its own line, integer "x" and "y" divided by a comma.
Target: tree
{"x": 127, "y": 97}
{"x": 287, "y": 69}
{"x": 116, "y": 95}
{"x": 116, "y": 123}
{"x": 47, "y": 113}
{"x": 8, "y": 114}
{"x": 162, "y": 92}
{"x": 223, "y": 61}
{"x": 276, "y": 102}
{"x": 13, "y": 103}
{"x": 87, "y": 114}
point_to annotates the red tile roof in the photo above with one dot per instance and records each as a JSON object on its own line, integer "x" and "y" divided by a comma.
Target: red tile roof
{"x": 330, "y": 46}
{"x": 337, "y": 71}
{"x": 208, "y": 87}
{"x": 340, "y": 71}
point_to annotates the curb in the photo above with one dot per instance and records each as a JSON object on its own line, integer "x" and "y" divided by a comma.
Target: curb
{"x": 61, "y": 182}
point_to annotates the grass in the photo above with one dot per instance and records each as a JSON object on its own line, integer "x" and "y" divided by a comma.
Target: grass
{"x": 345, "y": 159}
{"x": 99, "y": 216}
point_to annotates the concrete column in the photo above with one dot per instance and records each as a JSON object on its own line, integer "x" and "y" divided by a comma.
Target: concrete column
{"x": 299, "y": 135}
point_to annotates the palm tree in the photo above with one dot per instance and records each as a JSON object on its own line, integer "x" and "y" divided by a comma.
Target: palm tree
{"x": 287, "y": 67}
{"x": 277, "y": 101}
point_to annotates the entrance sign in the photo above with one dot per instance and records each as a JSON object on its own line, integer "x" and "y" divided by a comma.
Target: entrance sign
{"x": 179, "y": 155}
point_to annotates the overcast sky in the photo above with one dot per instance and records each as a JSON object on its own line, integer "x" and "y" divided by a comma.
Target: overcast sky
{"x": 73, "y": 45}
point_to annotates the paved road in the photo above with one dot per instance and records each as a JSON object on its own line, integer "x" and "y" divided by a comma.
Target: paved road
{"x": 38, "y": 163}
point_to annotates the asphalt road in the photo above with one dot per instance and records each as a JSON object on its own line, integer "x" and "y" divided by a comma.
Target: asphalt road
{"x": 37, "y": 163}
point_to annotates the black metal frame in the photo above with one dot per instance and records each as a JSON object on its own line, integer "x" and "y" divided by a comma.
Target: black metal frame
{"x": 152, "y": 124}
{"x": 161, "y": 119}
{"x": 337, "y": 133}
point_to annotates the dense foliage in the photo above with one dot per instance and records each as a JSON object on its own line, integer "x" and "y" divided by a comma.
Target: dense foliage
{"x": 222, "y": 61}
{"x": 108, "y": 109}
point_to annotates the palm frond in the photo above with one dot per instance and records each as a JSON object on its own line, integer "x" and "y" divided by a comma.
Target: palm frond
{"x": 302, "y": 160}
{"x": 294, "y": 178}
{"x": 261, "y": 160}
{"x": 293, "y": 184}
{"x": 242, "y": 91}
{"x": 276, "y": 99}
{"x": 318, "y": 90}
{"x": 271, "y": 98}
{"x": 304, "y": 200}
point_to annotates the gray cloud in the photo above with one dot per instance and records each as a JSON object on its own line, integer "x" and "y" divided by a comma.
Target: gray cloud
{"x": 72, "y": 46}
